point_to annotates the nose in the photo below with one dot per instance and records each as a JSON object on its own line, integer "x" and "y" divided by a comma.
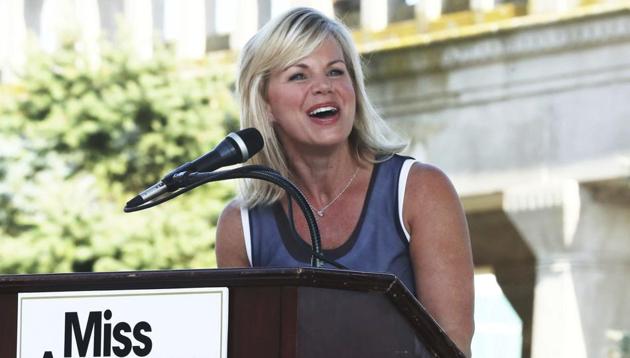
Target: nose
{"x": 322, "y": 85}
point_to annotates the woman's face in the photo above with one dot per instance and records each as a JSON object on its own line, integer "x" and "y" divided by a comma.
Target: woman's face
{"x": 312, "y": 102}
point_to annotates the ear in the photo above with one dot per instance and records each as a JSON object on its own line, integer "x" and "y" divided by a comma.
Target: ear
{"x": 264, "y": 98}
{"x": 269, "y": 113}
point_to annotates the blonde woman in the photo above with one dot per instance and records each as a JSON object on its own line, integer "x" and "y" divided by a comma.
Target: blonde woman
{"x": 301, "y": 85}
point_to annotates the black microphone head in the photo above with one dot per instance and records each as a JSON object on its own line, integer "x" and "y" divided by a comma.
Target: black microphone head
{"x": 249, "y": 141}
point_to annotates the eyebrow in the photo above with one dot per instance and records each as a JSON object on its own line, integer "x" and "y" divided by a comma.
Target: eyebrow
{"x": 303, "y": 65}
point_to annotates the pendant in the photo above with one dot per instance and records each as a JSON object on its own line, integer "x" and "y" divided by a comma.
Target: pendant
{"x": 320, "y": 213}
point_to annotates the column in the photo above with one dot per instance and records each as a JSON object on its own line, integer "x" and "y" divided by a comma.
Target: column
{"x": 548, "y": 6}
{"x": 139, "y": 18}
{"x": 427, "y": 11}
{"x": 373, "y": 15}
{"x": 185, "y": 25}
{"x": 58, "y": 18}
{"x": 89, "y": 29}
{"x": 580, "y": 237}
{"x": 482, "y": 5}
{"x": 12, "y": 39}
{"x": 247, "y": 24}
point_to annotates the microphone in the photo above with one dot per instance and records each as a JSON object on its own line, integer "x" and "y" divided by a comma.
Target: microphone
{"x": 235, "y": 148}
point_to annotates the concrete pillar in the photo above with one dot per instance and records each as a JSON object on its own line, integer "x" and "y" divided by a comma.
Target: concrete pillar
{"x": 88, "y": 24}
{"x": 139, "y": 18}
{"x": 373, "y": 15}
{"x": 74, "y": 20}
{"x": 482, "y": 5}
{"x": 427, "y": 11}
{"x": 185, "y": 25}
{"x": 57, "y": 19}
{"x": 550, "y": 6}
{"x": 247, "y": 26}
{"x": 12, "y": 39}
{"x": 579, "y": 235}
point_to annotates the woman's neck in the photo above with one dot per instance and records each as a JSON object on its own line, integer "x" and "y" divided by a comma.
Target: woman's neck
{"x": 321, "y": 177}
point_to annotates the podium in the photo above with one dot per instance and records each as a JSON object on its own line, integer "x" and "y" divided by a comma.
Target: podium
{"x": 285, "y": 313}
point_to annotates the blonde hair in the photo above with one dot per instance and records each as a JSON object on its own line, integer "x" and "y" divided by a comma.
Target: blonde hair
{"x": 279, "y": 44}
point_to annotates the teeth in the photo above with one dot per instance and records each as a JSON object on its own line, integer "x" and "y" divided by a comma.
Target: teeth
{"x": 323, "y": 109}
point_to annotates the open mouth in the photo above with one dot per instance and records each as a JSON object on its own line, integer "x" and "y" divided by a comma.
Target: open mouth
{"x": 324, "y": 112}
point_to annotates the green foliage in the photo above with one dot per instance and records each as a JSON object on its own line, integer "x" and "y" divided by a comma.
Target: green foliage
{"x": 80, "y": 139}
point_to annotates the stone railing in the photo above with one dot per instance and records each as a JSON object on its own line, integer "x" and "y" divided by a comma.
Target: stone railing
{"x": 431, "y": 25}
{"x": 378, "y": 25}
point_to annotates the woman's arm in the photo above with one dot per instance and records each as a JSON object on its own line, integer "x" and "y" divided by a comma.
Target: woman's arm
{"x": 440, "y": 252}
{"x": 230, "y": 244}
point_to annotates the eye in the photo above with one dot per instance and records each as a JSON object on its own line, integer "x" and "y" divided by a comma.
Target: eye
{"x": 336, "y": 72}
{"x": 297, "y": 77}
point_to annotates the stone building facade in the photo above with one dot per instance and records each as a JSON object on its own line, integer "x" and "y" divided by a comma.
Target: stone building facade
{"x": 532, "y": 123}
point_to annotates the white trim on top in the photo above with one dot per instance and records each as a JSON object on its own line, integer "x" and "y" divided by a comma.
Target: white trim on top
{"x": 247, "y": 233}
{"x": 402, "y": 185}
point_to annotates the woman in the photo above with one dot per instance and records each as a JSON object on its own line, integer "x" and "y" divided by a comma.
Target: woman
{"x": 301, "y": 85}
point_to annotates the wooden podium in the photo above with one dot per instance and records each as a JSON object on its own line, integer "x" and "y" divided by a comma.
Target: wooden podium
{"x": 287, "y": 313}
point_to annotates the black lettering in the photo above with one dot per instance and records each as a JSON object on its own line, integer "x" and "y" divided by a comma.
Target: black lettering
{"x": 142, "y": 338}
{"x": 72, "y": 325}
{"x": 107, "y": 334}
{"x": 122, "y": 339}
{"x": 48, "y": 354}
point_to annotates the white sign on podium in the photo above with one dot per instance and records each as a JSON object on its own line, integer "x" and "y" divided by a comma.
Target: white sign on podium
{"x": 160, "y": 323}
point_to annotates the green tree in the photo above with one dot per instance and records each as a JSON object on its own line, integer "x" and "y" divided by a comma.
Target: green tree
{"x": 80, "y": 139}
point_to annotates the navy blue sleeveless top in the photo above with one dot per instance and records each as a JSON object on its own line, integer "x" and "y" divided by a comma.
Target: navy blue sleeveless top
{"x": 378, "y": 243}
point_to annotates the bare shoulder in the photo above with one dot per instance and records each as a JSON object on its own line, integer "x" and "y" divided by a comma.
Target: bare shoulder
{"x": 429, "y": 189}
{"x": 425, "y": 176}
{"x": 230, "y": 243}
{"x": 231, "y": 215}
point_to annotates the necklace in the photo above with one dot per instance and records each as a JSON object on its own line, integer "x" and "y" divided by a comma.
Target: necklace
{"x": 323, "y": 209}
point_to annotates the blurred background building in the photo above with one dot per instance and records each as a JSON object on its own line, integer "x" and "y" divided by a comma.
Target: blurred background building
{"x": 525, "y": 104}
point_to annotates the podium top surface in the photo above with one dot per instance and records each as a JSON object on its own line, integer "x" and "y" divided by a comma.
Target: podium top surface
{"x": 315, "y": 277}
